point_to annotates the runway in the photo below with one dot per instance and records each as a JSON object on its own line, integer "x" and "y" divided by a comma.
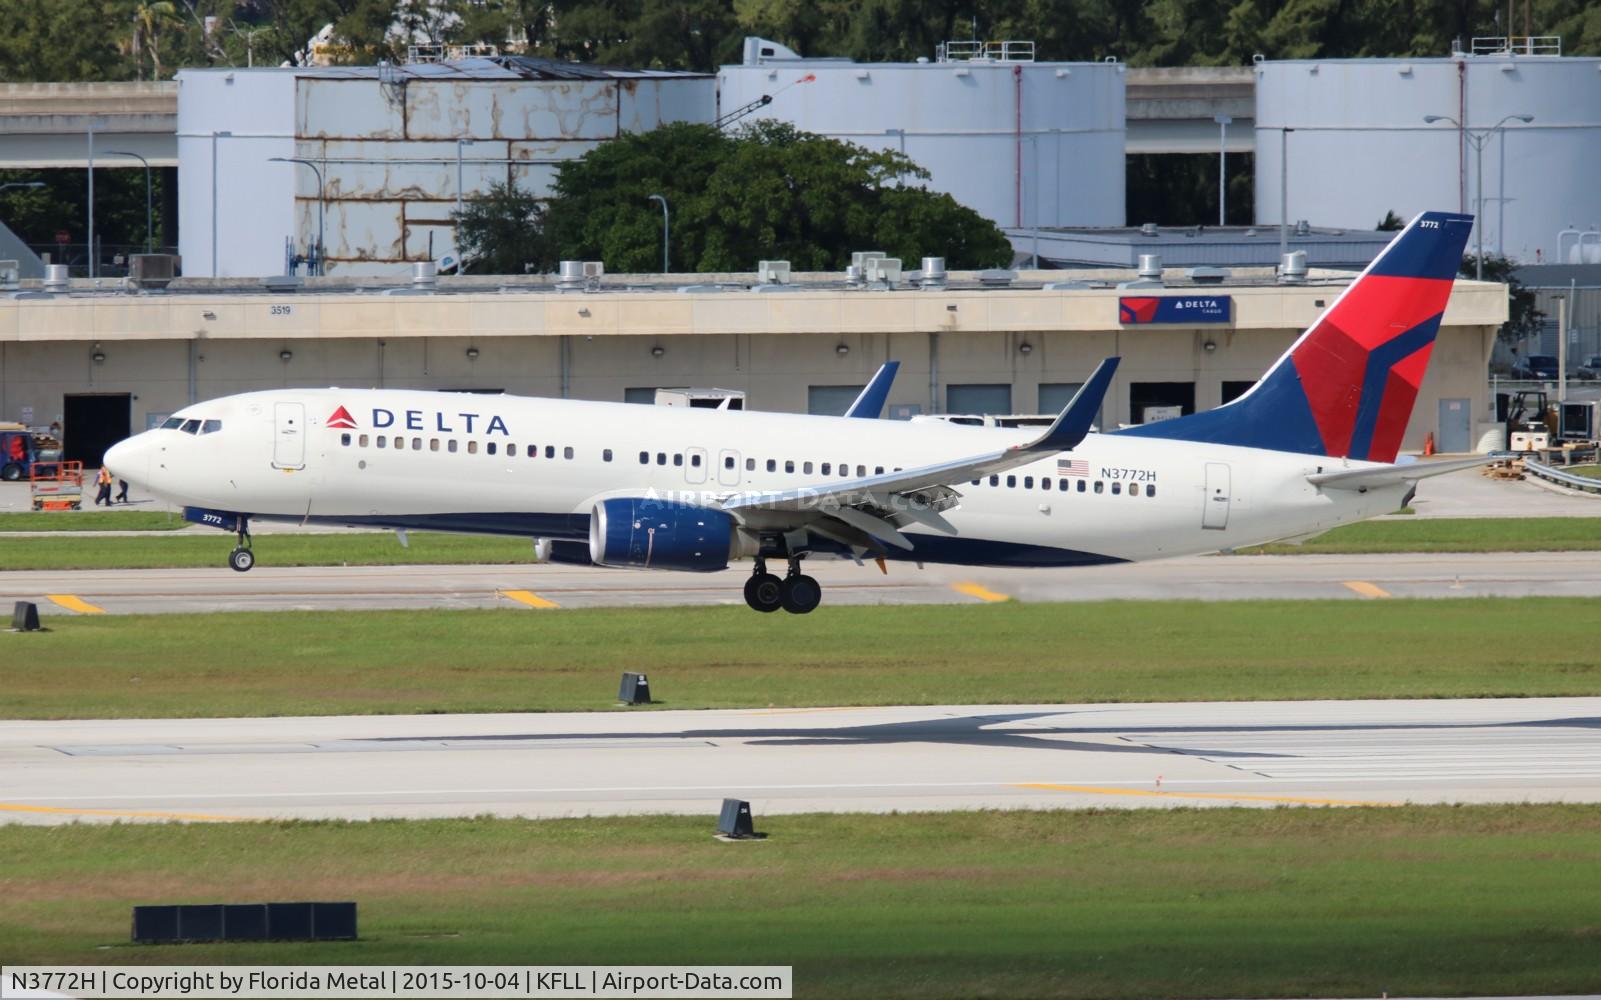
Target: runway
{"x": 795, "y": 760}
{"x": 269, "y": 588}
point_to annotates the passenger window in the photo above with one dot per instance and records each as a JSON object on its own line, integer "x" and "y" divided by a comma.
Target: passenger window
{"x": 827, "y": 466}
{"x": 644, "y": 458}
{"x": 789, "y": 465}
{"x": 472, "y": 447}
{"x": 533, "y": 451}
{"x": 995, "y": 480}
{"x": 490, "y": 448}
{"x": 750, "y": 465}
{"x": 661, "y": 458}
{"x": 566, "y": 453}
{"x": 211, "y": 427}
{"x": 1011, "y": 481}
{"x": 1081, "y": 486}
{"x": 1099, "y": 486}
{"x": 878, "y": 470}
{"x": 695, "y": 461}
{"x": 416, "y": 444}
{"x": 807, "y": 468}
{"x": 1150, "y": 490}
{"x": 1133, "y": 489}
{"x": 383, "y": 440}
{"x": 861, "y": 471}
{"x": 975, "y": 482}
{"x": 728, "y": 461}
{"x": 344, "y": 439}
{"x": 605, "y": 456}
{"x": 550, "y": 451}
{"x": 1045, "y": 484}
{"x": 450, "y": 446}
{"x": 1062, "y": 485}
{"x": 1117, "y": 488}
{"x": 1028, "y": 482}
{"x": 362, "y": 441}
{"x": 678, "y": 460}
{"x": 511, "y": 451}
{"x": 400, "y": 444}
{"x": 772, "y": 465}
{"x": 433, "y": 444}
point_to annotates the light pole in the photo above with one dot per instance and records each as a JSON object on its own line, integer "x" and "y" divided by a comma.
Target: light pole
{"x": 215, "y": 135}
{"x": 1223, "y": 123}
{"x": 307, "y": 163}
{"x": 1477, "y": 138}
{"x": 150, "y": 232}
{"x": 1284, "y": 193}
{"x": 461, "y": 260}
{"x": 666, "y": 268}
{"x": 91, "y": 172}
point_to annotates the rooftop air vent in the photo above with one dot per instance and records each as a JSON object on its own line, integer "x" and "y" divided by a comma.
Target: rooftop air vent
{"x": 152, "y": 270}
{"x": 1151, "y": 266}
{"x": 1149, "y": 229}
{"x": 1292, "y": 268}
{"x": 934, "y": 275}
{"x": 996, "y": 277}
{"x": 853, "y": 276}
{"x": 55, "y": 278}
{"x": 425, "y": 276}
{"x": 1209, "y": 275}
{"x": 773, "y": 272}
{"x": 10, "y": 275}
{"x": 882, "y": 272}
{"x": 283, "y": 282}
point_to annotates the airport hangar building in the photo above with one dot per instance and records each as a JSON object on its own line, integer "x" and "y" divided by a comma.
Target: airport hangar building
{"x": 106, "y": 362}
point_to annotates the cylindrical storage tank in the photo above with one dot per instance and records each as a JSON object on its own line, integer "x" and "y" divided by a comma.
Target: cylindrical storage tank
{"x": 1358, "y": 147}
{"x": 1023, "y": 144}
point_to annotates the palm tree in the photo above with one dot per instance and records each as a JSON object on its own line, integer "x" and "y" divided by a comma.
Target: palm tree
{"x": 148, "y": 16}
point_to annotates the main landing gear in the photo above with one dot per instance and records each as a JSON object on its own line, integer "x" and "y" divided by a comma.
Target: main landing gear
{"x": 796, "y": 593}
{"x": 242, "y": 558}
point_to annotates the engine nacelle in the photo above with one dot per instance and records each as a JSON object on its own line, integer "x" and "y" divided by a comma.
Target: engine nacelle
{"x": 644, "y": 533}
{"x": 549, "y": 550}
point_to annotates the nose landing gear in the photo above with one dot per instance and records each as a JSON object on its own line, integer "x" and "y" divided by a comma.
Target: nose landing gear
{"x": 242, "y": 558}
{"x": 796, "y": 593}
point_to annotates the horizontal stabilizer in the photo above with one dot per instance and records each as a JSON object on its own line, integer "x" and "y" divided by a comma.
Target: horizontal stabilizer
{"x": 1392, "y": 475}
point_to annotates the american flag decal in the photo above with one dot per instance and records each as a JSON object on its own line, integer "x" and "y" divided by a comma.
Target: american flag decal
{"x": 1072, "y": 467}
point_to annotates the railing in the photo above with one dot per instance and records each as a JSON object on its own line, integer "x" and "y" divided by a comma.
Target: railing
{"x": 1561, "y": 477}
{"x": 1008, "y": 50}
{"x": 1518, "y": 45}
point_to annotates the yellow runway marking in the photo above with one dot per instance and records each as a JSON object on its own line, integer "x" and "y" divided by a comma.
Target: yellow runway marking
{"x": 529, "y": 598}
{"x": 980, "y": 592}
{"x": 1228, "y": 796}
{"x": 120, "y": 813}
{"x": 72, "y": 602}
{"x": 1367, "y": 589}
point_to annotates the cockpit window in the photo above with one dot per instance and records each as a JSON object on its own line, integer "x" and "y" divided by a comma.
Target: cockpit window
{"x": 211, "y": 427}
{"x": 190, "y": 427}
{"x": 172, "y": 423}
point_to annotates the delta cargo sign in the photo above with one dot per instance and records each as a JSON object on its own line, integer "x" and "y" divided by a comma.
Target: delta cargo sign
{"x": 1185, "y": 310}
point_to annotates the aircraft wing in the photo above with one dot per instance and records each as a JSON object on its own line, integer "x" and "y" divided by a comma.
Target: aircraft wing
{"x": 870, "y": 404}
{"x": 874, "y": 507}
{"x": 1392, "y": 475}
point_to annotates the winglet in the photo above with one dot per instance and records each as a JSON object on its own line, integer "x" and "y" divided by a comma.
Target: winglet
{"x": 870, "y": 404}
{"x": 1073, "y": 425}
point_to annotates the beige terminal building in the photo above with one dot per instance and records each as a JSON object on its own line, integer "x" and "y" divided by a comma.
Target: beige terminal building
{"x": 105, "y": 361}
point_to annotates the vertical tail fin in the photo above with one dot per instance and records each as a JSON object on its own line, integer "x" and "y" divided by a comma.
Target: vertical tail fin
{"x": 1346, "y": 387}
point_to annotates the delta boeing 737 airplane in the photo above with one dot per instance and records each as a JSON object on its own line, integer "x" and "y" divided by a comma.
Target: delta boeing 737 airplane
{"x": 1310, "y": 446}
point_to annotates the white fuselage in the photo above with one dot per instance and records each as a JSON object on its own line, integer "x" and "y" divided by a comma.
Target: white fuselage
{"x": 417, "y": 459}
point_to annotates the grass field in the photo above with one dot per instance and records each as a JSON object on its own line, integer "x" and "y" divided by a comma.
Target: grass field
{"x": 92, "y": 520}
{"x": 1465, "y": 534}
{"x": 380, "y": 662}
{"x": 1533, "y": 534}
{"x": 1419, "y": 901}
{"x": 211, "y": 549}
{"x": 1592, "y": 471}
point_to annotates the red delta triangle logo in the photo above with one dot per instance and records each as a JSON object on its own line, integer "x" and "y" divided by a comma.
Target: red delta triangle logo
{"x": 342, "y": 418}
{"x": 1136, "y": 309}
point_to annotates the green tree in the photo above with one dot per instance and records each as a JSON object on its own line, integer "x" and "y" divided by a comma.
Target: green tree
{"x": 1523, "y": 319}
{"x": 47, "y": 40}
{"x": 150, "y": 19}
{"x": 767, "y": 192}
{"x": 503, "y": 233}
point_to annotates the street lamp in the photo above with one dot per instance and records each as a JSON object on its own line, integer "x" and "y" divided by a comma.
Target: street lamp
{"x": 307, "y": 163}
{"x": 461, "y": 260}
{"x": 150, "y": 232}
{"x": 666, "y": 269}
{"x": 1477, "y": 138}
{"x": 1223, "y": 123}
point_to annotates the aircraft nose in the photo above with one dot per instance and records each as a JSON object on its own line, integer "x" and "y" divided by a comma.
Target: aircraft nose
{"x": 130, "y": 459}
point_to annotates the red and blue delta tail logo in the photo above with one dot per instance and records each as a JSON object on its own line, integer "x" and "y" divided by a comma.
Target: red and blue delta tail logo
{"x": 1345, "y": 389}
{"x": 342, "y": 418}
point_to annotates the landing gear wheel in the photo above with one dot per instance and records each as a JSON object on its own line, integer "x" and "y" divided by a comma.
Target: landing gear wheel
{"x": 241, "y": 559}
{"x": 801, "y": 594}
{"x": 764, "y": 592}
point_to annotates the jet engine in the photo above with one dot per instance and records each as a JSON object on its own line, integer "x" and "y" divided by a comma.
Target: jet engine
{"x": 550, "y": 550}
{"x": 645, "y": 533}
